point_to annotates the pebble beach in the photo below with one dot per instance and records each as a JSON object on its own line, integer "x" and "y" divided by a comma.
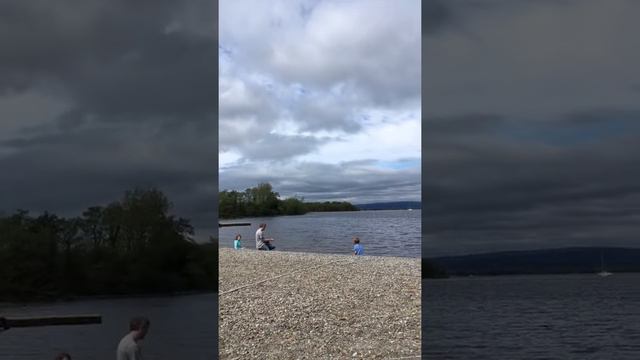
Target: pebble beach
{"x": 288, "y": 305}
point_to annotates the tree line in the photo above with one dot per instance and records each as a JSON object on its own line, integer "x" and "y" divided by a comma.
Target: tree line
{"x": 133, "y": 245}
{"x": 263, "y": 201}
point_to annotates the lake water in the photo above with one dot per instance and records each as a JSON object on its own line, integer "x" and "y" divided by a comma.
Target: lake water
{"x": 382, "y": 232}
{"x": 182, "y": 327}
{"x": 532, "y": 317}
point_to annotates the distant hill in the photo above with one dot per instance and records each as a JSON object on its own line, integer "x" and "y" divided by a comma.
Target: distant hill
{"x": 396, "y": 205}
{"x": 548, "y": 261}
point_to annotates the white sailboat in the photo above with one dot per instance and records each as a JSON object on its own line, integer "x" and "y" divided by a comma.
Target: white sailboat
{"x": 603, "y": 272}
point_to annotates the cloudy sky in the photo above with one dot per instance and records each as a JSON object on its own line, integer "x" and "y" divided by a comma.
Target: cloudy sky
{"x": 321, "y": 98}
{"x": 531, "y": 124}
{"x": 97, "y": 97}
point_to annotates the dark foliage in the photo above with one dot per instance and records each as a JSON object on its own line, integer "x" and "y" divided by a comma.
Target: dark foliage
{"x": 131, "y": 246}
{"x": 331, "y": 206}
{"x": 263, "y": 201}
{"x": 395, "y": 205}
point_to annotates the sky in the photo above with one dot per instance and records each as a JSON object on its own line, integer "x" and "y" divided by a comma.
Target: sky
{"x": 321, "y": 98}
{"x": 98, "y": 97}
{"x": 531, "y": 129}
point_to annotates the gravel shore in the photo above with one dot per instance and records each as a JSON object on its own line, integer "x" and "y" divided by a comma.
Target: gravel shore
{"x": 285, "y": 305}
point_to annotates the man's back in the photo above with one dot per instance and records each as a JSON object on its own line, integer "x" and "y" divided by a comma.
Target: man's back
{"x": 128, "y": 348}
{"x": 259, "y": 238}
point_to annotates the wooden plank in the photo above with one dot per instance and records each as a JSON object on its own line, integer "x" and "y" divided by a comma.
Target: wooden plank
{"x": 50, "y": 321}
{"x": 234, "y": 224}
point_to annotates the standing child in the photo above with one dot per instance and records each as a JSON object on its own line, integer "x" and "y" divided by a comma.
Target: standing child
{"x": 357, "y": 248}
{"x": 236, "y": 242}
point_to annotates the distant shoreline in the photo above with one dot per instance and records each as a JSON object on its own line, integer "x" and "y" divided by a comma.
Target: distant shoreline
{"x": 316, "y": 212}
{"x": 281, "y": 215}
{"x": 573, "y": 260}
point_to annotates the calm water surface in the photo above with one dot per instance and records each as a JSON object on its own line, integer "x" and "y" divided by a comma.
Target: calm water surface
{"x": 532, "y": 317}
{"x": 182, "y": 327}
{"x": 382, "y": 233}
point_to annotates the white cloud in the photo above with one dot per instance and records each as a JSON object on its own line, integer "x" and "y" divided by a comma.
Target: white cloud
{"x": 384, "y": 142}
{"x": 318, "y": 82}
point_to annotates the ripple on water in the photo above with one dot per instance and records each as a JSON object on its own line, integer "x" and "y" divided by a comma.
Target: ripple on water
{"x": 529, "y": 317}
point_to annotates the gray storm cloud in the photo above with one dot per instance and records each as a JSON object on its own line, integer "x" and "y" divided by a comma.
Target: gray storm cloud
{"x": 124, "y": 95}
{"x": 531, "y": 128}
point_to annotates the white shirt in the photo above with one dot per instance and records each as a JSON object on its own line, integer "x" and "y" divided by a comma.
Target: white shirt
{"x": 259, "y": 238}
{"x": 128, "y": 348}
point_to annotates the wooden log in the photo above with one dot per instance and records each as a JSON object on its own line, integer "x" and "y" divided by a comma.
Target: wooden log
{"x": 234, "y": 224}
{"x": 50, "y": 321}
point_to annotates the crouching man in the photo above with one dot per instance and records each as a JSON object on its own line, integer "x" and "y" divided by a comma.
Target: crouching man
{"x": 263, "y": 243}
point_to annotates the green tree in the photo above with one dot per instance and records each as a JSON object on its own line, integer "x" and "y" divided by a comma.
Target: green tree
{"x": 231, "y": 204}
{"x": 132, "y": 245}
{"x": 292, "y": 206}
{"x": 263, "y": 201}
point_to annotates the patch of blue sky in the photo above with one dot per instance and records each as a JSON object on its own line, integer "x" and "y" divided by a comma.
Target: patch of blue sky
{"x": 399, "y": 164}
{"x": 570, "y": 134}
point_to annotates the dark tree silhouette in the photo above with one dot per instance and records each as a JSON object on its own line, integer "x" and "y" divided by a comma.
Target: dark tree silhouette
{"x": 263, "y": 201}
{"x": 133, "y": 245}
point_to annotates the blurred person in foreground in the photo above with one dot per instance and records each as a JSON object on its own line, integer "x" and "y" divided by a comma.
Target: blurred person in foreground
{"x": 129, "y": 347}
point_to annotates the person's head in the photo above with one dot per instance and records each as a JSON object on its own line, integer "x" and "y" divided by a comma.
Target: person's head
{"x": 63, "y": 356}
{"x": 263, "y": 226}
{"x": 356, "y": 240}
{"x": 238, "y": 237}
{"x": 140, "y": 325}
